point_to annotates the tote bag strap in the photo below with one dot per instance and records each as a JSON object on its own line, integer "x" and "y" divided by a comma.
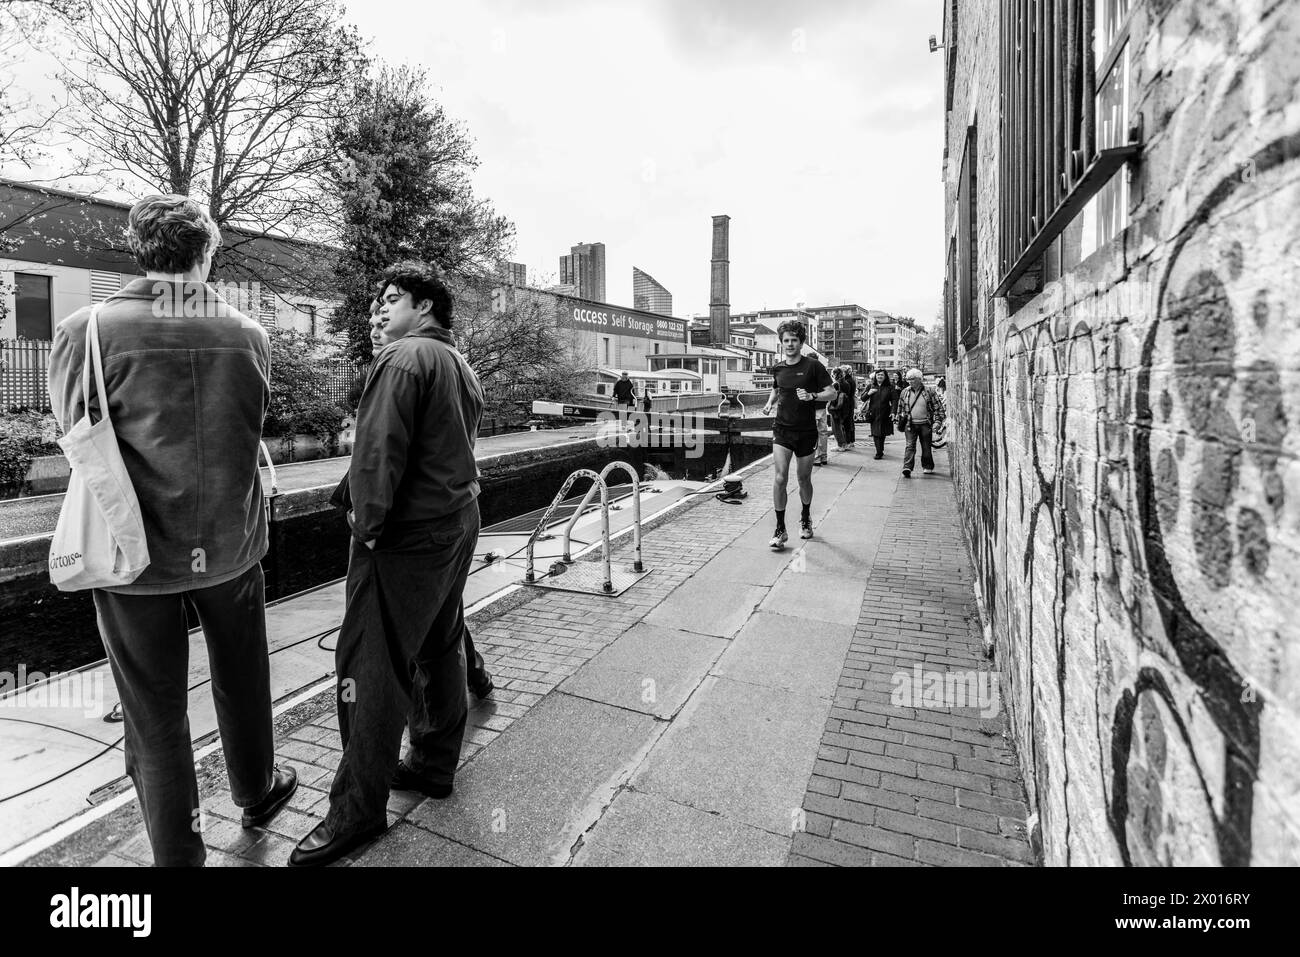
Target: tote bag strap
{"x": 266, "y": 454}
{"x": 94, "y": 358}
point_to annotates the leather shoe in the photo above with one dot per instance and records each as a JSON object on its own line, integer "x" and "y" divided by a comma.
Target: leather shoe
{"x": 283, "y": 784}
{"x": 481, "y": 686}
{"x": 404, "y": 779}
{"x": 322, "y": 846}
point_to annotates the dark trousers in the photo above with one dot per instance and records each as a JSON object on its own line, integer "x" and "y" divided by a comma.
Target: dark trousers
{"x": 147, "y": 640}
{"x": 837, "y": 426}
{"x": 880, "y": 443}
{"x": 476, "y": 672}
{"x": 400, "y": 660}
{"x": 846, "y": 425}
{"x": 923, "y": 431}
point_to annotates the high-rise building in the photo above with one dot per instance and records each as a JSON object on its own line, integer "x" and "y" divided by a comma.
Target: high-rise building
{"x": 584, "y": 269}
{"x": 514, "y": 273}
{"x": 650, "y": 295}
{"x": 720, "y": 282}
{"x": 846, "y": 333}
{"x": 892, "y": 336}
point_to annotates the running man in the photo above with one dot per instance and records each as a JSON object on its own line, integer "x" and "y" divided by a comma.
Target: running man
{"x": 798, "y": 382}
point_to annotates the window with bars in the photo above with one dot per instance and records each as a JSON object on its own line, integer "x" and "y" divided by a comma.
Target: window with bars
{"x": 1066, "y": 130}
{"x": 965, "y": 288}
{"x": 266, "y": 311}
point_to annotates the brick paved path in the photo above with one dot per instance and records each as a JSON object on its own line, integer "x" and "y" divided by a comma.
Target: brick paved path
{"x": 906, "y": 785}
{"x": 687, "y": 720}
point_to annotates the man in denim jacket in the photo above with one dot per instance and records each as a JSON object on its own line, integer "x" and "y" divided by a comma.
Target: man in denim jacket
{"x": 187, "y": 383}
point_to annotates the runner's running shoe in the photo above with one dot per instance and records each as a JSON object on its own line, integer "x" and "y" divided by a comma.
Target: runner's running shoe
{"x": 778, "y": 540}
{"x": 805, "y": 529}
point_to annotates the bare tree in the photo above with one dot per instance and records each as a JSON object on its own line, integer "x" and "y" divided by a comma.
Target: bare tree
{"x": 512, "y": 339}
{"x": 27, "y": 128}
{"x": 230, "y": 101}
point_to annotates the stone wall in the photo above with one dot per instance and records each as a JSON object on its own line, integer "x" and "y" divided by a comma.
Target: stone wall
{"x": 1125, "y": 451}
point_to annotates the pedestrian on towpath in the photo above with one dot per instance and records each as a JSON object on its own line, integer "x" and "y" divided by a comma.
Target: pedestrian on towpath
{"x": 799, "y": 382}
{"x": 477, "y": 676}
{"x": 833, "y": 412}
{"x": 919, "y": 410}
{"x": 187, "y": 395}
{"x": 879, "y": 402}
{"x": 414, "y": 488}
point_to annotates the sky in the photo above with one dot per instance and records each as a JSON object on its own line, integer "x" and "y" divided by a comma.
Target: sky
{"x": 816, "y": 126}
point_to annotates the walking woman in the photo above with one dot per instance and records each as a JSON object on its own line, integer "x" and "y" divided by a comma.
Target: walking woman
{"x": 849, "y": 391}
{"x": 833, "y": 412}
{"x": 880, "y": 400}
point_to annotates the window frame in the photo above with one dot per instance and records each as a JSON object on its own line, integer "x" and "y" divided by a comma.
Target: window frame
{"x": 19, "y": 276}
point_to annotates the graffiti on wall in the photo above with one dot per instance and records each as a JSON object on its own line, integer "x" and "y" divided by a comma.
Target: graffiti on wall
{"x": 1133, "y": 496}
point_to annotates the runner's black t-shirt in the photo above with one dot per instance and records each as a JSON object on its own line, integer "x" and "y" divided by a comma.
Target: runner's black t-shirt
{"x": 807, "y": 374}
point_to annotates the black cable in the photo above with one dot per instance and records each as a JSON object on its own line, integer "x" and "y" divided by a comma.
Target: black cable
{"x": 76, "y": 767}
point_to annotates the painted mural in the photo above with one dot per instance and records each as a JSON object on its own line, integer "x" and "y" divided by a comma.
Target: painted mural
{"x": 1128, "y": 464}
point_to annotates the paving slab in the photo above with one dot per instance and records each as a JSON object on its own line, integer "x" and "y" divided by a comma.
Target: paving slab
{"x": 744, "y": 751}
{"x": 700, "y": 607}
{"x": 408, "y": 846}
{"x": 649, "y": 669}
{"x": 642, "y": 830}
{"x": 818, "y": 597}
{"x": 790, "y": 654}
{"x": 528, "y": 797}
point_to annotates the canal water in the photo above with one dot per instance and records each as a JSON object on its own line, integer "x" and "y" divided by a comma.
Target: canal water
{"x": 48, "y": 630}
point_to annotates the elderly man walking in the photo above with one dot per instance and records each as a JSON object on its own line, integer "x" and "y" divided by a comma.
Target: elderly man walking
{"x": 413, "y": 483}
{"x": 187, "y": 386}
{"x": 919, "y": 410}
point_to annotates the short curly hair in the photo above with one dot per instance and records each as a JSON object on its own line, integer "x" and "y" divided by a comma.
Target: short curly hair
{"x": 170, "y": 233}
{"x": 792, "y": 325}
{"x": 423, "y": 281}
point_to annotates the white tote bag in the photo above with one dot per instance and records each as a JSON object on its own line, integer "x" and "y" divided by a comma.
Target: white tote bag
{"x": 99, "y": 541}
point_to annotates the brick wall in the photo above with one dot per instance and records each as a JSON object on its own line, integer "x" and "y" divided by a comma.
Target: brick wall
{"x": 1125, "y": 452}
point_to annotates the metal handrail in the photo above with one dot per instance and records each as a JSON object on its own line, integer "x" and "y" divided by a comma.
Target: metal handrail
{"x": 726, "y": 401}
{"x": 597, "y": 481}
{"x": 636, "y": 511}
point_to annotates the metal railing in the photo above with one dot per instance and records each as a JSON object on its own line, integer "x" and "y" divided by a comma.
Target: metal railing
{"x": 591, "y": 493}
{"x": 598, "y": 484}
{"x": 529, "y": 575}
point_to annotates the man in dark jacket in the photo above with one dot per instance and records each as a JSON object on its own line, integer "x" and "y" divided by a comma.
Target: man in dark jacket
{"x": 414, "y": 488}
{"x": 624, "y": 393}
{"x": 187, "y": 383}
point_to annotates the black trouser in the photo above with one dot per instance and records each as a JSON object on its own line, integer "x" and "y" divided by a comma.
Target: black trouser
{"x": 401, "y": 660}
{"x": 147, "y": 640}
{"x": 476, "y": 673}
{"x": 846, "y": 424}
{"x": 921, "y": 430}
{"x": 880, "y": 442}
{"x": 837, "y": 426}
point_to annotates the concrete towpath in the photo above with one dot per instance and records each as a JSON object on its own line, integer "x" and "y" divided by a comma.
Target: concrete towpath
{"x": 737, "y": 706}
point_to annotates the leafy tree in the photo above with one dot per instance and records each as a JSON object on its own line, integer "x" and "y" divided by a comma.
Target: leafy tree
{"x": 401, "y": 173}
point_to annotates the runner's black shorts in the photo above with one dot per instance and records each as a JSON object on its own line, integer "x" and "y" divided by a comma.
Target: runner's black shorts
{"x": 800, "y": 442}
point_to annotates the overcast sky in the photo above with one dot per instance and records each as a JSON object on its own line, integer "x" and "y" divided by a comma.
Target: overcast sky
{"x": 817, "y": 126}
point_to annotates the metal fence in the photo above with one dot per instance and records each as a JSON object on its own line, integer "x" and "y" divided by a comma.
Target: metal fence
{"x": 24, "y": 374}
{"x": 338, "y": 378}
{"x": 25, "y": 365}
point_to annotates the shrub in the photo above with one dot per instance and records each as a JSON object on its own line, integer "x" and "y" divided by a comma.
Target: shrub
{"x": 299, "y": 403}
{"x": 23, "y": 436}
